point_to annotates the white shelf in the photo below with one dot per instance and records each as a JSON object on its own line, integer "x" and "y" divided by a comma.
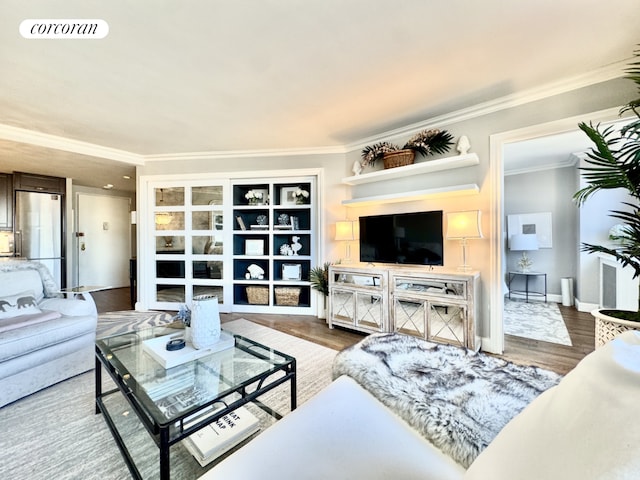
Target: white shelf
{"x": 447, "y": 163}
{"x": 467, "y": 189}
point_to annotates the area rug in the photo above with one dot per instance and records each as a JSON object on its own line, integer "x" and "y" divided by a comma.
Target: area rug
{"x": 458, "y": 399}
{"x": 54, "y": 433}
{"x": 536, "y": 320}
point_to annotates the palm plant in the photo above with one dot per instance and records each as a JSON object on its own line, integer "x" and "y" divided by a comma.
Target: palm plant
{"x": 319, "y": 278}
{"x": 614, "y": 162}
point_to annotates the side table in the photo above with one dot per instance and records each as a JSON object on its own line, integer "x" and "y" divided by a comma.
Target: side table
{"x": 526, "y": 292}
{"x": 85, "y": 291}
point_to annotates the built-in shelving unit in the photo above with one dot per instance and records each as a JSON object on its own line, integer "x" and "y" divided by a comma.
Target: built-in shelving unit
{"x": 273, "y": 245}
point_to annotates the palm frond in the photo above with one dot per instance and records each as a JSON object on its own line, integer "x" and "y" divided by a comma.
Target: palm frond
{"x": 614, "y": 162}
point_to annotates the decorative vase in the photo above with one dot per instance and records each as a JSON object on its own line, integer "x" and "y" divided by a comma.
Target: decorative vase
{"x": 205, "y": 321}
{"x": 187, "y": 334}
{"x": 322, "y": 305}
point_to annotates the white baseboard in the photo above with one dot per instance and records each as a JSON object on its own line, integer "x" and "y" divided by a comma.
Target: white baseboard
{"x": 585, "y": 306}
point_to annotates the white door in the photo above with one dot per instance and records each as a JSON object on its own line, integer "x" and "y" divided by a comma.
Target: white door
{"x": 104, "y": 246}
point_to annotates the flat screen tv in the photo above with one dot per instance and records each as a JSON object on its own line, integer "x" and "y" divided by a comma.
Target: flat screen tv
{"x": 407, "y": 238}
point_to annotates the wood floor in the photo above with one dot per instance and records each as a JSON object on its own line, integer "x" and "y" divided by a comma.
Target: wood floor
{"x": 559, "y": 358}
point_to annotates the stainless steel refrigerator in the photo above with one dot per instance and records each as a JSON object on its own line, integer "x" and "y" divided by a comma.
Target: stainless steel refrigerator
{"x": 38, "y": 230}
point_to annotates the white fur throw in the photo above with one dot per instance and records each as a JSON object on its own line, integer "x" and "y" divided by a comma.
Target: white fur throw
{"x": 458, "y": 399}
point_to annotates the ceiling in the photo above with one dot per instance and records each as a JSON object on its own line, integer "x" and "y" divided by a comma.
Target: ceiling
{"x": 253, "y": 75}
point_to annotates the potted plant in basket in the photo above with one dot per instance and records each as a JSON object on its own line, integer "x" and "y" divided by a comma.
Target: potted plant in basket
{"x": 319, "y": 278}
{"x": 426, "y": 142}
{"x": 614, "y": 162}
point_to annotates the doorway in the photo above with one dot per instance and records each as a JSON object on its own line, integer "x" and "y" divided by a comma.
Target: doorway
{"x": 497, "y": 145}
{"x": 103, "y": 240}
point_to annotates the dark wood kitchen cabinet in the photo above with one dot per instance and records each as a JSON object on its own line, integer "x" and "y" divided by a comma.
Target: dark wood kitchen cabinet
{"x": 6, "y": 201}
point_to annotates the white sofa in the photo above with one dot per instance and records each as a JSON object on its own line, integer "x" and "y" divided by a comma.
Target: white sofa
{"x": 583, "y": 428}
{"x": 44, "y": 338}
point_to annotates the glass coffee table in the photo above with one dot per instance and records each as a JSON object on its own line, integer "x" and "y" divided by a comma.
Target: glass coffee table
{"x": 174, "y": 403}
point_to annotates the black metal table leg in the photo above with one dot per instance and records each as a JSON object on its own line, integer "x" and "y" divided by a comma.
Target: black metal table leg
{"x": 165, "y": 467}
{"x": 98, "y": 377}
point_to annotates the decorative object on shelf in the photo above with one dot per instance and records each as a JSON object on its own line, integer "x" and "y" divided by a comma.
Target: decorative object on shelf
{"x": 291, "y": 271}
{"x": 283, "y": 220}
{"x": 357, "y": 167}
{"x": 613, "y": 163}
{"x": 300, "y": 195}
{"x": 292, "y": 249}
{"x": 288, "y": 296}
{"x": 463, "y": 226}
{"x": 523, "y": 242}
{"x": 345, "y": 232}
{"x": 426, "y": 142}
{"x": 296, "y": 246}
{"x": 255, "y": 197}
{"x": 241, "y": 222}
{"x": 258, "y": 295}
{"x": 295, "y": 222}
{"x": 254, "y": 272}
{"x": 205, "y": 321}
{"x": 262, "y": 219}
{"x": 285, "y": 249}
{"x": 294, "y": 196}
{"x": 253, "y": 247}
{"x": 464, "y": 145}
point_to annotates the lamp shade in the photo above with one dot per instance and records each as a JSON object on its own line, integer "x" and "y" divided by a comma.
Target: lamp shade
{"x": 345, "y": 230}
{"x": 523, "y": 241}
{"x": 461, "y": 225}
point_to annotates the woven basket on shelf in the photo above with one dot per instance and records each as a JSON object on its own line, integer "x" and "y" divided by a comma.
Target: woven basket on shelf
{"x": 399, "y": 158}
{"x": 289, "y": 296}
{"x": 258, "y": 295}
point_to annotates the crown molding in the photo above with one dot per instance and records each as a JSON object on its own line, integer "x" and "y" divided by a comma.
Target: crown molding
{"x": 570, "y": 161}
{"x": 284, "y": 152}
{"x": 31, "y": 137}
{"x": 609, "y": 72}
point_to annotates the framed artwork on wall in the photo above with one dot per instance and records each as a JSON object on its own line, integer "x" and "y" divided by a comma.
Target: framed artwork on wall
{"x": 539, "y": 224}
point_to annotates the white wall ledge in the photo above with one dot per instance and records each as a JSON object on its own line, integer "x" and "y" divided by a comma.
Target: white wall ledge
{"x": 439, "y": 164}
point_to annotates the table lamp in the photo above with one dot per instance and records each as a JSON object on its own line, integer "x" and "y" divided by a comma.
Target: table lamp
{"x": 462, "y": 226}
{"x": 345, "y": 232}
{"x": 523, "y": 242}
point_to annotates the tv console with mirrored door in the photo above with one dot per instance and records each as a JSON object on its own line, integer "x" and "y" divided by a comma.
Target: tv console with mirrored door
{"x": 434, "y": 303}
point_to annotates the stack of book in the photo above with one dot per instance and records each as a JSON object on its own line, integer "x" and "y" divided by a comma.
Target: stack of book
{"x": 219, "y": 437}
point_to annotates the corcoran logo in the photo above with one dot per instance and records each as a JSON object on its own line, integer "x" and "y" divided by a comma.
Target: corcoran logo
{"x": 64, "y": 29}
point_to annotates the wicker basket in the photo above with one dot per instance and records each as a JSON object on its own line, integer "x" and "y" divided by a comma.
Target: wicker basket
{"x": 399, "y": 158}
{"x": 258, "y": 295}
{"x": 289, "y": 296}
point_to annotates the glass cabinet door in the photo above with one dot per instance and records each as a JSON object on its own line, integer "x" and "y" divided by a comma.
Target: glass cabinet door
{"x": 446, "y": 323}
{"x": 410, "y": 317}
{"x": 189, "y": 236}
{"x": 369, "y": 312}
